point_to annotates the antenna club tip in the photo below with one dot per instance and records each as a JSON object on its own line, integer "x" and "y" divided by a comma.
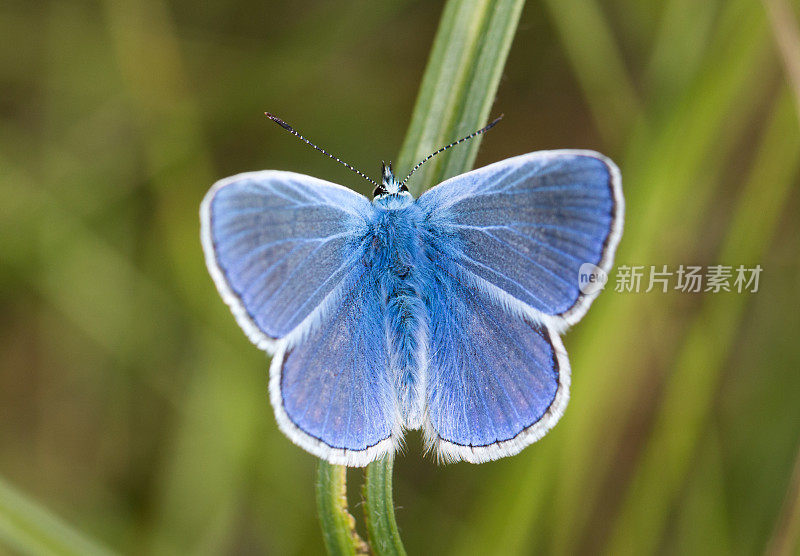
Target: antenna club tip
{"x": 278, "y": 121}
{"x": 495, "y": 121}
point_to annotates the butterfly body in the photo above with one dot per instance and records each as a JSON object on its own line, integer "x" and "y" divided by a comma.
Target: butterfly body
{"x": 395, "y": 254}
{"x": 441, "y": 313}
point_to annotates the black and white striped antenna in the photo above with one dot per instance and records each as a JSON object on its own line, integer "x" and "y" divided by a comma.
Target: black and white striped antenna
{"x": 291, "y": 130}
{"x": 453, "y": 144}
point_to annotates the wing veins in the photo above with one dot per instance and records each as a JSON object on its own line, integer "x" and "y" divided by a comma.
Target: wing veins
{"x": 534, "y": 240}
{"x": 525, "y": 224}
{"x": 500, "y": 274}
{"x": 526, "y": 257}
{"x": 316, "y": 349}
{"x": 293, "y": 273}
{"x": 259, "y": 280}
{"x": 477, "y": 299}
{"x": 310, "y": 297}
{"x": 486, "y": 365}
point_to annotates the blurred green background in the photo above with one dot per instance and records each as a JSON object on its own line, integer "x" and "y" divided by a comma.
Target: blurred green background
{"x": 135, "y": 410}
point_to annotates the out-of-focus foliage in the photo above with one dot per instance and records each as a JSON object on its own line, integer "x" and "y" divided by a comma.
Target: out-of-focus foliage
{"x": 134, "y": 409}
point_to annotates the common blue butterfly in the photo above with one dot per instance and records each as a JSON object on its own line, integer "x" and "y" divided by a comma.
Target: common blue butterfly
{"x": 441, "y": 313}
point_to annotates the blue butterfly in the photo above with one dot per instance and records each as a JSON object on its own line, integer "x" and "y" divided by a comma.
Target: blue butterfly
{"x": 441, "y": 313}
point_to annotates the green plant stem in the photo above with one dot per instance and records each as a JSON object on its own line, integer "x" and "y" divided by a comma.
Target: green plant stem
{"x": 379, "y": 509}
{"x": 456, "y": 95}
{"x": 457, "y": 92}
{"x": 338, "y": 526}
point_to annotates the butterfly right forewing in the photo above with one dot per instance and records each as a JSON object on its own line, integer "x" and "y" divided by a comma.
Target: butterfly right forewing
{"x": 526, "y": 225}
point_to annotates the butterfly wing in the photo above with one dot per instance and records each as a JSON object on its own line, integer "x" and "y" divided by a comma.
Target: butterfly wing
{"x": 523, "y": 227}
{"x": 496, "y": 382}
{"x": 284, "y": 250}
{"x": 277, "y": 245}
{"x": 331, "y": 392}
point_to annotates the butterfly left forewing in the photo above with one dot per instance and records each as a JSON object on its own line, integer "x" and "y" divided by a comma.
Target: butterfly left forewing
{"x": 278, "y": 244}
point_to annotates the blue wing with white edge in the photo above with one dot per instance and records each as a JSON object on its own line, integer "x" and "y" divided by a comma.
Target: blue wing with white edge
{"x": 496, "y": 383}
{"x": 332, "y": 392}
{"x": 525, "y": 225}
{"x": 277, "y": 245}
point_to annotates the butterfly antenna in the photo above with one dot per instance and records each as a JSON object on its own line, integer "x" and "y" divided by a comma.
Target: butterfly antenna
{"x": 453, "y": 144}
{"x": 291, "y": 130}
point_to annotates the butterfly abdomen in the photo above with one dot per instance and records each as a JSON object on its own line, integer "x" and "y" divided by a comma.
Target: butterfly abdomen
{"x": 397, "y": 258}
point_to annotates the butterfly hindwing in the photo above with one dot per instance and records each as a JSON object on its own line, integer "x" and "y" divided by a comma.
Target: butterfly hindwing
{"x": 331, "y": 392}
{"x": 277, "y": 244}
{"x": 496, "y": 382}
{"x": 525, "y": 226}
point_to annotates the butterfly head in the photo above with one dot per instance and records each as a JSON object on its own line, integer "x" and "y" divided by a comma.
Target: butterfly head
{"x": 389, "y": 184}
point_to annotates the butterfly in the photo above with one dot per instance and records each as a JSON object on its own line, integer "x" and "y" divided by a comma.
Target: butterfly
{"x": 441, "y": 313}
